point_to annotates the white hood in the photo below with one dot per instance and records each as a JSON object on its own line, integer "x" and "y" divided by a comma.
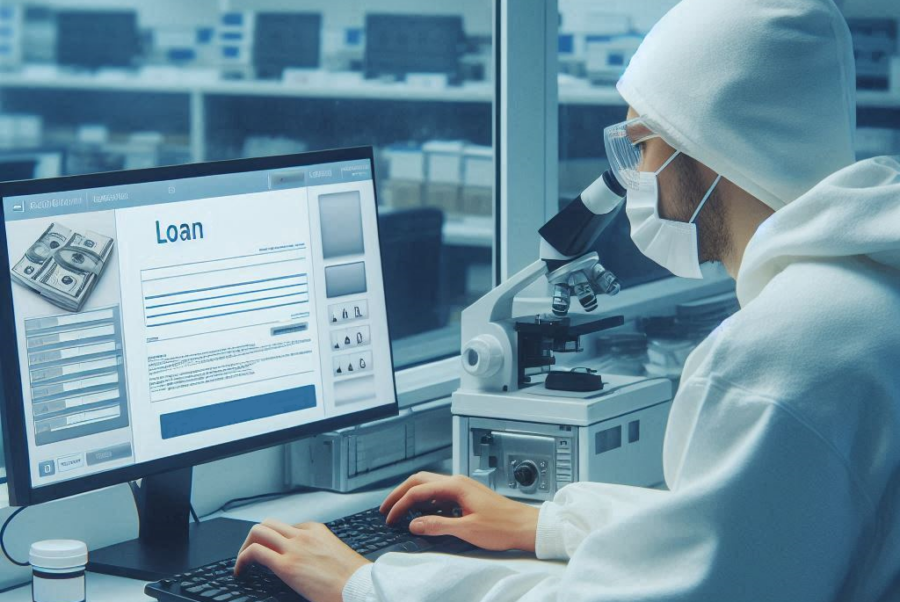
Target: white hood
{"x": 853, "y": 213}
{"x": 763, "y": 95}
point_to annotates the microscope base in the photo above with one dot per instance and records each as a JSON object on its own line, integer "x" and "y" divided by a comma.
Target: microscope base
{"x": 538, "y": 440}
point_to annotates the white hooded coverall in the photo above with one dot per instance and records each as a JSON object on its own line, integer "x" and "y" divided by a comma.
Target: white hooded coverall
{"x": 782, "y": 453}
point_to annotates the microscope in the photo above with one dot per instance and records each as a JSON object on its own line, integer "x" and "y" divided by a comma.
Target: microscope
{"x": 525, "y": 429}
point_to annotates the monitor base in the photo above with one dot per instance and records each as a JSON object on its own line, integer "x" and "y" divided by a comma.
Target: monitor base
{"x": 207, "y": 542}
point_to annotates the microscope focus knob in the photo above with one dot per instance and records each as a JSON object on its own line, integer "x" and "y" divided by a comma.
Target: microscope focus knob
{"x": 526, "y": 473}
{"x": 482, "y": 356}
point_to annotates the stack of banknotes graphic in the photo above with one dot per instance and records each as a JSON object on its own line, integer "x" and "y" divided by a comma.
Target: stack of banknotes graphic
{"x": 64, "y": 266}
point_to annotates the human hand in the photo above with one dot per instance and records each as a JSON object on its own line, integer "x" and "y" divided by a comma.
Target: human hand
{"x": 488, "y": 520}
{"x": 309, "y": 558}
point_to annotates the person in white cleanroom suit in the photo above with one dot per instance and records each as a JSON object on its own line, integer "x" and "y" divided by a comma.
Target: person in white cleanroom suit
{"x": 782, "y": 454}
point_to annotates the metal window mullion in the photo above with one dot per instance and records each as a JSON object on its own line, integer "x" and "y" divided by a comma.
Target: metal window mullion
{"x": 526, "y": 128}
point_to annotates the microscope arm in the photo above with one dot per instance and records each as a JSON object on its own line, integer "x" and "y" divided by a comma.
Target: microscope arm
{"x": 498, "y": 303}
{"x": 488, "y": 334}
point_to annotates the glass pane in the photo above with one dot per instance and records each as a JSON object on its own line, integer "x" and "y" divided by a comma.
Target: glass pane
{"x": 85, "y": 87}
{"x": 596, "y": 40}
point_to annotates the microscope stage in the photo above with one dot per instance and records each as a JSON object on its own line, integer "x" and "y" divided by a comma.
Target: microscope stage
{"x": 620, "y": 395}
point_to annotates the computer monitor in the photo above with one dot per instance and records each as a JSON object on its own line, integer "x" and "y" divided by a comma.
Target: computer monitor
{"x": 157, "y": 319}
{"x": 412, "y": 244}
{"x": 282, "y": 40}
{"x": 17, "y": 168}
{"x": 93, "y": 39}
{"x": 399, "y": 44}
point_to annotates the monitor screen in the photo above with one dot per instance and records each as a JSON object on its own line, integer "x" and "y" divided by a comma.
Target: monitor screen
{"x": 283, "y": 40}
{"x": 398, "y": 44}
{"x": 161, "y": 316}
{"x": 96, "y": 39}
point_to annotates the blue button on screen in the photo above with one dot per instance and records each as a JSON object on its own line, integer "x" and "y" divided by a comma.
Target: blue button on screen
{"x": 207, "y": 418}
{"x": 232, "y": 19}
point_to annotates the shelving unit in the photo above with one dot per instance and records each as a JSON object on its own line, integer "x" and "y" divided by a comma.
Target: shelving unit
{"x": 878, "y": 100}
{"x": 327, "y": 85}
{"x": 198, "y": 88}
{"x": 201, "y": 88}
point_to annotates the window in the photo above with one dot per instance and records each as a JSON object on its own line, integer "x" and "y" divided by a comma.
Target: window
{"x": 172, "y": 82}
{"x": 595, "y": 43}
{"x": 596, "y": 40}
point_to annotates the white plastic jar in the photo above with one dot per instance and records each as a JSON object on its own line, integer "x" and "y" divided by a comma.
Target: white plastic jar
{"x": 58, "y": 570}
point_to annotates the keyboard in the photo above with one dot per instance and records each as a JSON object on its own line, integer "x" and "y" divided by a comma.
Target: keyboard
{"x": 365, "y": 532}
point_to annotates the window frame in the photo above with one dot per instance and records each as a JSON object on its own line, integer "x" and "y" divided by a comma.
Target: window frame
{"x": 525, "y": 60}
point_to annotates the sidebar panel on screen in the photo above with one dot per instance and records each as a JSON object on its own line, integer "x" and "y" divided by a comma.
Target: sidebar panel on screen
{"x": 70, "y": 340}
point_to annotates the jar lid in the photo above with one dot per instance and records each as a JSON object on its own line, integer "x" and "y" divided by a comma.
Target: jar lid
{"x": 58, "y": 554}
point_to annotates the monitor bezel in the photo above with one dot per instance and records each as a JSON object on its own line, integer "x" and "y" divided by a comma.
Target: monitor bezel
{"x": 15, "y": 443}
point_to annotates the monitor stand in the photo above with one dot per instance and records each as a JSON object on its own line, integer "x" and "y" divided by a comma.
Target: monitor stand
{"x": 168, "y": 542}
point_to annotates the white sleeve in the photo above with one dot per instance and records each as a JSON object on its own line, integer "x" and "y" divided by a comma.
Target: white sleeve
{"x": 581, "y": 508}
{"x": 765, "y": 509}
{"x": 430, "y": 577}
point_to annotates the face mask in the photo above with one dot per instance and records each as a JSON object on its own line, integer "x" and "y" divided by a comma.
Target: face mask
{"x": 670, "y": 243}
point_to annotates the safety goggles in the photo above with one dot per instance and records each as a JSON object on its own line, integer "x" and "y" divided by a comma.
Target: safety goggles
{"x": 624, "y": 149}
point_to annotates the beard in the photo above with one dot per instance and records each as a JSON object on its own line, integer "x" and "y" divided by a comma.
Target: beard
{"x": 688, "y": 188}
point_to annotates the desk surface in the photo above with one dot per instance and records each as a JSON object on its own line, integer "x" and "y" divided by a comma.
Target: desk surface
{"x": 317, "y": 506}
